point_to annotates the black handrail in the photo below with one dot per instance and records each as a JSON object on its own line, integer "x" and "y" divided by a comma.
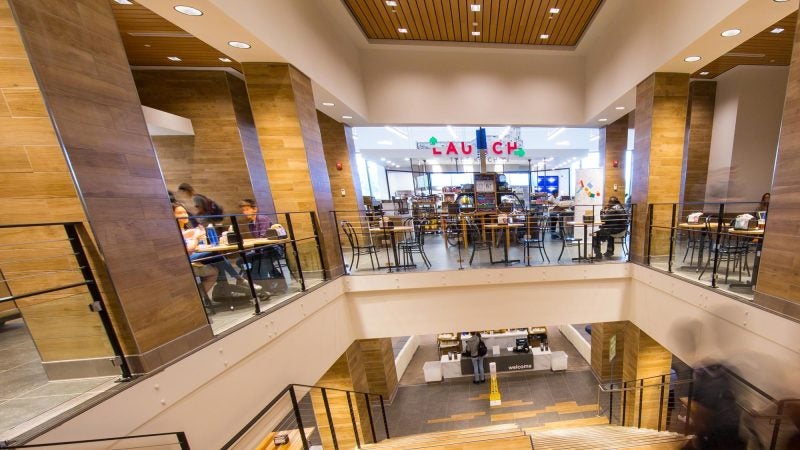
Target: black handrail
{"x": 179, "y": 435}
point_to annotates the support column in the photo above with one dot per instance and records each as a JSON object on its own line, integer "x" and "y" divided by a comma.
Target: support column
{"x": 613, "y": 144}
{"x": 777, "y": 287}
{"x": 223, "y": 158}
{"x": 658, "y": 154}
{"x": 602, "y": 336}
{"x": 644, "y": 358}
{"x": 80, "y": 64}
{"x": 697, "y": 147}
{"x": 291, "y": 143}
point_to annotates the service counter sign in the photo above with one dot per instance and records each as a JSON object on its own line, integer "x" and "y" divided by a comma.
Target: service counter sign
{"x": 511, "y": 144}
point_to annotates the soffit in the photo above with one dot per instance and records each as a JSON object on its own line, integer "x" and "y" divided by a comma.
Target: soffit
{"x": 149, "y": 39}
{"x": 513, "y": 22}
{"x": 763, "y": 49}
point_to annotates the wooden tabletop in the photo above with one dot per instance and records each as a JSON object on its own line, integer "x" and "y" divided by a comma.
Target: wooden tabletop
{"x": 396, "y": 229}
{"x": 697, "y": 226}
{"x": 754, "y": 232}
{"x": 248, "y": 243}
{"x": 504, "y": 225}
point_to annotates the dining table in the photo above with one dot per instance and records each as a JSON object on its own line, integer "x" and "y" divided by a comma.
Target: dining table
{"x": 506, "y": 228}
{"x": 391, "y": 233}
{"x": 698, "y": 227}
{"x": 585, "y": 226}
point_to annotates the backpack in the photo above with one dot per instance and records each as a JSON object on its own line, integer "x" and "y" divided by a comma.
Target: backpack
{"x": 482, "y": 350}
{"x": 211, "y": 207}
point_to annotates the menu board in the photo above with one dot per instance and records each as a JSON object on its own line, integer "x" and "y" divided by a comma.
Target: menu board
{"x": 485, "y": 198}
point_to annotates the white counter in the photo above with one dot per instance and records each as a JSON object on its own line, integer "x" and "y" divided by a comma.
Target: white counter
{"x": 508, "y": 339}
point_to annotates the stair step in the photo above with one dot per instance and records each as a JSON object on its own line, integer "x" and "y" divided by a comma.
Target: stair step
{"x": 501, "y": 437}
{"x": 601, "y": 437}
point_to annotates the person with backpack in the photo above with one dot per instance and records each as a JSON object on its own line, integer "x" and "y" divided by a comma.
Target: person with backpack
{"x": 476, "y": 349}
{"x": 198, "y": 205}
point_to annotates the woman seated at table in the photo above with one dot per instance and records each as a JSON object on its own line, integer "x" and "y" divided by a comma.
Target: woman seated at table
{"x": 195, "y": 234}
{"x": 207, "y": 272}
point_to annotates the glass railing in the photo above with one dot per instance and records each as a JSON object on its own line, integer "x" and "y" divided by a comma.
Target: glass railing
{"x": 249, "y": 265}
{"x": 302, "y": 416}
{"x": 715, "y": 406}
{"x": 57, "y": 342}
{"x": 716, "y": 244}
{"x": 374, "y": 241}
{"x": 157, "y": 441}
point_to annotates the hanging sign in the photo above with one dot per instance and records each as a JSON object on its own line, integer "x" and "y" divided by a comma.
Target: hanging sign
{"x": 511, "y": 144}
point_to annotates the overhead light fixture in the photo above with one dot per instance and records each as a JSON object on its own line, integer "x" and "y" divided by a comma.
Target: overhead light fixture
{"x": 383, "y": 159}
{"x": 730, "y": 33}
{"x": 475, "y": 8}
{"x": 402, "y": 30}
{"x": 692, "y": 58}
{"x": 602, "y": 120}
{"x": 703, "y": 73}
{"x": 391, "y": 3}
{"x": 225, "y": 60}
{"x": 124, "y": 2}
{"x": 452, "y": 132}
{"x": 385, "y": 142}
{"x": 544, "y": 36}
{"x": 780, "y": 1}
{"x": 347, "y": 117}
{"x": 594, "y": 138}
{"x": 173, "y": 58}
{"x": 562, "y": 143}
{"x": 408, "y": 159}
{"x": 238, "y": 44}
{"x": 556, "y": 133}
{"x": 505, "y": 132}
{"x": 476, "y": 33}
{"x": 188, "y": 10}
{"x": 554, "y": 10}
{"x": 396, "y": 131}
{"x": 327, "y": 104}
{"x": 619, "y": 108}
{"x": 776, "y": 30}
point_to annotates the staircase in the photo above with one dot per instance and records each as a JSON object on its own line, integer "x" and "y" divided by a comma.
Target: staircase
{"x": 496, "y": 437}
{"x": 605, "y": 437}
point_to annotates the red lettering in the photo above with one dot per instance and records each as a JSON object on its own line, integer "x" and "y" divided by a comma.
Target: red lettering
{"x": 494, "y": 148}
{"x": 451, "y": 149}
{"x": 511, "y": 146}
{"x": 436, "y": 152}
{"x": 467, "y": 151}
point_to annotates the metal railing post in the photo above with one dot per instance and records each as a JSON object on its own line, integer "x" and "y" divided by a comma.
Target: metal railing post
{"x": 248, "y": 266}
{"x": 624, "y": 402}
{"x": 353, "y": 419}
{"x": 716, "y": 246}
{"x": 293, "y": 240}
{"x": 641, "y": 402}
{"x": 298, "y": 418}
{"x": 385, "y": 421}
{"x": 661, "y": 398}
{"x": 330, "y": 418}
{"x": 773, "y": 443}
{"x": 610, "y": 405}
{"x": 649, "y": 231}
{"x": 319, "y": 245}
{"x": 672, "y": 237}
{"x": 341, "y": 246}
{"x": 97, "y": 299}
{"x": 688, "y": 409}
{"x": 182, "y": 440}
{"x": 369, "y": 413}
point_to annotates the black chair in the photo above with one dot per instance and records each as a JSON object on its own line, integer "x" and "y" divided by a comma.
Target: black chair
{"x": 415, "y": 244}
{"x": 731, "y": 249}
{"x": 477, "y": 241}
{"x": 534, "y": 237}
{"x": 568, "y": 239}
{"x": 357, "y": 247}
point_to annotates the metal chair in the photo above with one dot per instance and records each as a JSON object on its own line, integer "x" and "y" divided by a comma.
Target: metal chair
{"x": 534, "y": 237}
{"x": 568, "y": 239}
{"x": 415, "y": 244}
{"x": 478, "y": 241}
{"x": 357, "y": 247}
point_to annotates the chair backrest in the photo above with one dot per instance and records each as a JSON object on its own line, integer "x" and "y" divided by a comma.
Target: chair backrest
{"x": 350, "y": 233}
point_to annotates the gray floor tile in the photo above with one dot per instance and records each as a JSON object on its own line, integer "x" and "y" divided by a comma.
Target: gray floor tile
{"x": 66, "y": 387}
{"x": 21, "y": 380}
{"x": 14, "y": 412}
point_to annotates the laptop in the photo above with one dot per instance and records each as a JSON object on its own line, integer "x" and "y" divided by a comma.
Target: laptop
{"x": 271, "y": 234}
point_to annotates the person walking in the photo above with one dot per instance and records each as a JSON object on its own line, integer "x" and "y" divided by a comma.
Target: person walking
{"x": 476, "y": 349}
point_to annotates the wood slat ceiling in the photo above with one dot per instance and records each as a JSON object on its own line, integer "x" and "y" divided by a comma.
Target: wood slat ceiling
{"x": 763, "y": 49}
{"x": 162, "y": 39}
{"x": 521, "y": 22}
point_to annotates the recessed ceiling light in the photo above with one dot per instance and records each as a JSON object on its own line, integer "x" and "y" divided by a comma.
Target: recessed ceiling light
{"x": 124, "y": 2}
{"x": 780, "y": 1}
{"x": 408, "y": 159}
{"x": 554, "y": 10}
{"x": 776, "y": 30}
{"x": 347, "y": 117}
{"x": 188, "y": 10}
{"x": 475, "y": 8}
{"x": 692, "y": 58}
{"x": 327, "y": 104}
{"x": 476, "y": 33}
{"x": 730, "y": 33}
{"x": 384, "y": 142}
{"x": 226, "y": 60}
{"x": 703, "y": 73}
{"x": 402, "y": 30}
{"x": 238, "y": 44}
{"x": 391, "y": 3}
{"x": 173, "y": 58}
{"x": 620, "y": 107}
{"x": 544, "y": 36}
{"x": 602, "y": 120}
{"x": 147, "y": 45}
{"x": 383, "y": 159}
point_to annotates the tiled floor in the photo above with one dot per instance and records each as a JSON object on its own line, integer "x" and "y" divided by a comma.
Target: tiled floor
{"x": 27, "y": 398}
{"x": 529, "y": 398}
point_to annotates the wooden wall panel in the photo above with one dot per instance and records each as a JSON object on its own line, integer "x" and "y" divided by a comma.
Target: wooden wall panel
{"x": 644, "y": 358}
{"x": 213, "y": 160}
{"x": 699, "y": 123}
{"x": 613, "y": 144}
{"x": 778, "y": 285}
{"x": 285, "y": 116}
{"x": 378, "y": 360}
{"x": 606, "y": 370}
{"x": 661, "y": 102}
{"x": 86, "y": 83}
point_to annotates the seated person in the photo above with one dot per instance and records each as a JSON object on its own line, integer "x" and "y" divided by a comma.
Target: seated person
{"x": 191, "y": 238}
{"x": 258, "y": 224}
{"x": 197, "y": 233}
{"x": 615, "y": 220}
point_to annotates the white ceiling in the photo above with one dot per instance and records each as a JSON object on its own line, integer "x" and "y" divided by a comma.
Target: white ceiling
{"x": 554, "y": 146}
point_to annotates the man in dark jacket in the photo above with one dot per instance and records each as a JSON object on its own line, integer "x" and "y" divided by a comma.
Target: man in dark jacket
{"x": 615, "y": 221}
